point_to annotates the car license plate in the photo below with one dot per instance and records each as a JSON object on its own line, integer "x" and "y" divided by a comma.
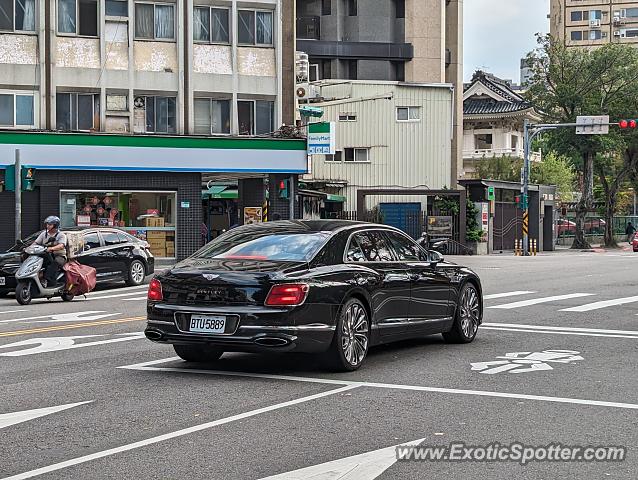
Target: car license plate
{"x": 3, "y": 281}
{"x": 207, "y": 324}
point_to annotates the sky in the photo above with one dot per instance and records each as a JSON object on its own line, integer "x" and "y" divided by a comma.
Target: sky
{"x": 498, "y": 33}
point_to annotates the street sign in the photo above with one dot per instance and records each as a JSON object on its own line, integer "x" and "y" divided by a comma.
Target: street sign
{"x": 592, "y": 125}
{"x": 321, "y": 138}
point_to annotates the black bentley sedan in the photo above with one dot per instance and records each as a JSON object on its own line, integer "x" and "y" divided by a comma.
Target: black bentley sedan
{"x": 330, "y": 287}
{"x": 114, "y": 254}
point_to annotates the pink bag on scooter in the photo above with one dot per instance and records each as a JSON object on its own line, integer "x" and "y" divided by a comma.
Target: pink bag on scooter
{"x": 80, "y": 279}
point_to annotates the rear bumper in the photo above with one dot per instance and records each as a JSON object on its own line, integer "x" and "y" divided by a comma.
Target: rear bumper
{"x": 9, "y": 283}
{"x": 259, "y": 329}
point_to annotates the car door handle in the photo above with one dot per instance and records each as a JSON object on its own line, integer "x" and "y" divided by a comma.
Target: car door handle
{"x": 414, "y": 277}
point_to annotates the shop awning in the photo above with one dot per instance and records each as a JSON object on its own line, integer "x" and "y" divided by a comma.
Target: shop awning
{"x": 221, "y": 192}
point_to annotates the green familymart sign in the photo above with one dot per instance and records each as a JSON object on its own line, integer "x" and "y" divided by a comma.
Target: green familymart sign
{"x": 153, "y": 153}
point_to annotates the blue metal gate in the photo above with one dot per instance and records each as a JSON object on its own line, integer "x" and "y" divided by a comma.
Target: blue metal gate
{"x": 399, "y": 215}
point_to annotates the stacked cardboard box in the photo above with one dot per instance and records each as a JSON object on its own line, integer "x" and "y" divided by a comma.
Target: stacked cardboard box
{"x": 170, "y": 248}
{"x": 154, "y": 222}
{"x": 157, "y": 242}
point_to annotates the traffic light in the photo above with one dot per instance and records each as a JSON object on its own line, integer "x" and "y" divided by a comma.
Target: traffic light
{"x": 282, "y": 189}
{"x": 28, "y": 179}
{"x": 625, "y": 124}
{"x": 521, "y": 201}
{"x": 9, "y": 178}
{"x": 490, "y": 194}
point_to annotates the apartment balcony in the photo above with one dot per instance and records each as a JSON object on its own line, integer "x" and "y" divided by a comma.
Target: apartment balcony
{"x": 480, "y": 153}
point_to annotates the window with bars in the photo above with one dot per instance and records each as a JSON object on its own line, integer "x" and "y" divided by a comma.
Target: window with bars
{"x": 154, "y": 21}
{"x": 255, "y": 27}
{"x": 211, "y": 25}
{"x": 17, "y": 15}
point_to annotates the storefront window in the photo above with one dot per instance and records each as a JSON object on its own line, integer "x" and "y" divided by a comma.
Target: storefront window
{"x": 149, "y": 216}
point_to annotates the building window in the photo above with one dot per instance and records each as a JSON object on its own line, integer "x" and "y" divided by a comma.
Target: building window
{"x": 17, "y": 15}
{"x": 161, "y": 114}
{"x": 347, "y": 117}
{"x": 514, "y": 143}
{"x": 313, "y": 72}
{"x": 595, "y": 15}
{"x": 359, "y": 155}
{"x": 309, "y": 28}
{"x": 334, "y": 158}
{"x": 255, "y": 27}
{"x": 352, "y": 8}
{"x": 595, "y": 34}
{"x": 483, "y": 141}
{"x": 408, "y": 114}
{"x": 116, "y": 8}
{"x": 154, "y": 21}
{"x": 577, "y": 16}
{"x": 576, "y": 36}
{"x": 78, "y": 17}
{"x": 256, "y": 117}
{"x": 326, "y": 68}
{"x": 210, "y": 25}
{"x": 630, "y": 12}
{"x": 352, "y": 70}
{"x": 399, "y": 71}
{"x": 631, "y": 33}
{"x": 400, "y": 8}
{"x": 212, "y": 116}
{"x": 326, "y": 7}
{"x": 16, "y": 110}
{"x": 77, "y": 112}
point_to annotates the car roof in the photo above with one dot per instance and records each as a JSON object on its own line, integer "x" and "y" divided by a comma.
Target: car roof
{"x": 310, "y": 226}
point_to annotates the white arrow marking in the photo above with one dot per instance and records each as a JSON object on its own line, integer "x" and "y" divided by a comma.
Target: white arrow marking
{"x": 8, "y": 419}
{"x": 54, "y": 344}
{"x": 76, "y": 316}
{"x": 366, "y": 466}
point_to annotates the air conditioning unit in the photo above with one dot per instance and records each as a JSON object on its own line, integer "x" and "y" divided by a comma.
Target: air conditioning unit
{"x": 594, "y": 23}
{"x": 301, "y": 66}
{"x": 308, "y": 92}
{"x": 617, "y": 33}
{"x": 603, "y": 34}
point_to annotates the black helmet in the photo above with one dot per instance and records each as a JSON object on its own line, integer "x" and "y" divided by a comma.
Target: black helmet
{"x": 52, "y": 220}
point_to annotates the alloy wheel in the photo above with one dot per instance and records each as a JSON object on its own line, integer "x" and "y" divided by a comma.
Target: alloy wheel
{"x": 470, "y": 311}
{"x": 354, "y": 334}
{"x": 137, "y": 272}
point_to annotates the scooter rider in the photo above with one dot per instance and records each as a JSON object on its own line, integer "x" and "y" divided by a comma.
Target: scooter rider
{"x": 55, "y": 241}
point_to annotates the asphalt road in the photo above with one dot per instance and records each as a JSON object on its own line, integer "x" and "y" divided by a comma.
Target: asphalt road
{"x": 84, "y": 395}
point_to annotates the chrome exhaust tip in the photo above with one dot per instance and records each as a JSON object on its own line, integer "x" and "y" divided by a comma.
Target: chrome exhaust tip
{"x": 271, "y": 341}
{"x": 153, "y": 334}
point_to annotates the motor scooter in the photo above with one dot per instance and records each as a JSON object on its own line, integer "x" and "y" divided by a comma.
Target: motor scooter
{"x": 29, "y": 277}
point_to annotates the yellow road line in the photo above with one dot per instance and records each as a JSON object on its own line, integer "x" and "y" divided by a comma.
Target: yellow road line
{"x": 71, "y": 326}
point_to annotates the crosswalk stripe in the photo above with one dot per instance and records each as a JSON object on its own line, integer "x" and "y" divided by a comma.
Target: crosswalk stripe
{"x": 535, "y": 301}
{"x": 506, "y": 294}
{"x": 602, "y": 304}
{"x": 566, "y": 329}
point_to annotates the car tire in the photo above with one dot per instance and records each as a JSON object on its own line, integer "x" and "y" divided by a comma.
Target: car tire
{"x": 23, "y": 293}
{"x": 198, "y": 353}
{"x": 351, "y": 340}
{"x": 67, "y": 297}
{"x": 467, "y": 318}
{"x": 136, "y": 273}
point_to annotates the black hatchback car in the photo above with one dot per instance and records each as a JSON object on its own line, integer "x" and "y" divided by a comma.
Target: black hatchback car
{"x": 114, "y": 254}
{"x": 329, "y": 287}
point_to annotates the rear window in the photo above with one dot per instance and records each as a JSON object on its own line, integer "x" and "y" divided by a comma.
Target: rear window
{"x": 296, "y": 247}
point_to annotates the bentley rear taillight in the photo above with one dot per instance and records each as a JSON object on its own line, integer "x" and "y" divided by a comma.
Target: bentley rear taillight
{"x": 155, "y": 290}
{"x": 287, "y": 295}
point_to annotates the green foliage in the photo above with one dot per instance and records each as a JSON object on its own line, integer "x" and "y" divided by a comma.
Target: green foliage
{"x": 474, "y": 233}
{"x": 500, "y": 168}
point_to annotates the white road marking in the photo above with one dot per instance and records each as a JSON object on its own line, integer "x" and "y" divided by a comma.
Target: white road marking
{"x": 567, "y": 329}
{"x": 136, "y": 299}
{"x": 535, "y": 301}
{"x": 483, "y": 393}
{"x": 366, "y": 466}
{"x": 103, "y": 297}
{"x": 55, "y": 344}
{"x": 179, "y": 433}
{"x": 506, "y": 294}
{"x": 603, "y": 304}
{"x": 123, "y": 289}
{"x": 64, "y": 317}
{"x": 526, "y": 362}
{"x": 8, "y": 419}
{"x": 12, "y": 311}
{"x": 553, "y": 332}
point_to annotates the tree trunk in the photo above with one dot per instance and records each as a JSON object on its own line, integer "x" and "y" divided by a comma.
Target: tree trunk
{"x": 585, "y": 203}
{"x": 610, "y": 206}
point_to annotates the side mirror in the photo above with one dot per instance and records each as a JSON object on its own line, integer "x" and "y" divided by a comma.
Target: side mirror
{"x": 87, "y": 248}
{"x": 435, "y": 257}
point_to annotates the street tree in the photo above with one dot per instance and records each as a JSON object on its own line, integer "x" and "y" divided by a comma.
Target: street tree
{"x": 568, "y": 82}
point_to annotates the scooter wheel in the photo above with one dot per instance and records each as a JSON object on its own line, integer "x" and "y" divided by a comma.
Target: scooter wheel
{"x": 23, "y": 293}
{"x": 67, "y": 297}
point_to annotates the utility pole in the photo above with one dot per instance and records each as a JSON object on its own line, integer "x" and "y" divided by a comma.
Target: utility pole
{"x": 525, "y": 187}
{"x": 18, "y": 196}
